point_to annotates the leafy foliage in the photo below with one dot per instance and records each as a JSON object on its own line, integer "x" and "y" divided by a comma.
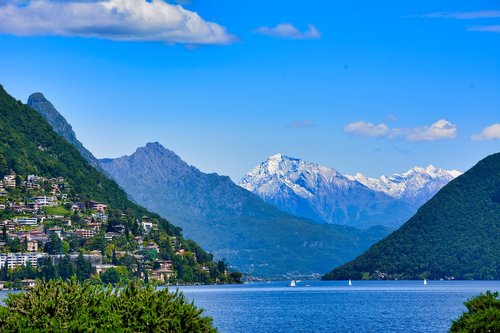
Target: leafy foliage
{"x": 483, "y": 315}
{"x": 454, "y": 235}
{"x": 71, "y": 306}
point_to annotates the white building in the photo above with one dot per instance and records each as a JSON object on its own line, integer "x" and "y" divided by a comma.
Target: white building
{"x": 27, "y": 221}
{"x": 147, "y": 226}
{"x": 9, "y": 181}
{"x": 14, "y": 260}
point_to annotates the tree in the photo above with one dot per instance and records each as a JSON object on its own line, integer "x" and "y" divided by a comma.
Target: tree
{"x": 4, "y": 168}
{"x": 71, "y": 306}
{"x": 111, "y": 275}
{"x": 84, "y": 268}
{"x": 47, "y": 269}
{"x": 66, "y": 267}
{"x": 53, "y": 245}
{"x": 483, "y": 315}
{"x": 4, "y": 233}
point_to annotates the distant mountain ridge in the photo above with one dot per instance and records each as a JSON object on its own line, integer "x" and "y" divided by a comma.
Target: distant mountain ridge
{"x": 230, "y": 221}
{"x": 415, "y": 186}
{"x": 224, "y": 218}
{"x": 327, "y": 196}
{"x": 455, "y": 235}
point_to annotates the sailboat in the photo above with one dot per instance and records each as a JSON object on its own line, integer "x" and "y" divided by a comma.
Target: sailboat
{"x": 293, "y": 284}
{"x": 350, "y": 282}
{"x": 425, "y": 282}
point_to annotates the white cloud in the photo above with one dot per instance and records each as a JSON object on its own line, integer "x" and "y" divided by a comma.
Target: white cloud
{"x": 287, "y": 30}
{"x": 488, "y": 133}
{"x": 441, "y": 129}
{"x": 485, "y": 28}
{"x": 480, "y": 14}
{"x": 123, "y": 20}
{"x": 364, "y": 128}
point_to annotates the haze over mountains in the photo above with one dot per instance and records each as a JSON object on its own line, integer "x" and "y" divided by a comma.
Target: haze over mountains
{"x": 326, "y": 196}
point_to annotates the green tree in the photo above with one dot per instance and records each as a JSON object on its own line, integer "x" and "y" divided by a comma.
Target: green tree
{"x": 66, "y": 267}
{"x": 84, "y": 268}
{"x": 483, "y": 315}
{"x": 4, "y": 168}
{"x": 111, "y": 275}
{"x": 58, "y": 306}
{"x": 53, "y": 245}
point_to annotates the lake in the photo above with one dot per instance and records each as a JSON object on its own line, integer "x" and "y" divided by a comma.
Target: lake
{"x": 324, "y": 306}
{"x": 367, "y": 306}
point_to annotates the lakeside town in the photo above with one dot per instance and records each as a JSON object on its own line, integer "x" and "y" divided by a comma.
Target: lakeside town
{"x": 48, "y": 232}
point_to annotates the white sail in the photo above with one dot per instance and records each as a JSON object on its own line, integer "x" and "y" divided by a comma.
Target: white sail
{"x": 292, "y": 283}
{"x": 350, "y": 282}
{"x": 425, "y": 282}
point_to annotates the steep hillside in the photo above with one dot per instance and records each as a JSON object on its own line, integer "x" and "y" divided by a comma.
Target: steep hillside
{"x": 29, "y": 146}
{"x": 59, "y": 124}
{"x": 454, "y": 235}
{"x": 230, "y": 221}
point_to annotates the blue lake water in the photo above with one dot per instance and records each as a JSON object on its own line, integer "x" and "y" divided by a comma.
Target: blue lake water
{"x": 367, "y": 306}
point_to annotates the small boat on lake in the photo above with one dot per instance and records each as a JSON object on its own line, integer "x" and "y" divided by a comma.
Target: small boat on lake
{"x": 350, "y": 282}
{"x": 293, "y": 284}
{"x": 425, "y": 282}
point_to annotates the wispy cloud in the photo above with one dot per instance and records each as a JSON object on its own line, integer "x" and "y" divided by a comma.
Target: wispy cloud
{"x": 301, "y": 124}
{"x": 480, "y": 14}
{"x": 287, "y": 30}
{"x": 485, "y": 28}
{"x": 491, "y": 132}
{"x": 364, "y": 128}
{"x": 123, "y": 20}
{"x": 441, "y": 129}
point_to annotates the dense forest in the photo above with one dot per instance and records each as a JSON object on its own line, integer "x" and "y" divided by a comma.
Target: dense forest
{"x": 453, "y": 236}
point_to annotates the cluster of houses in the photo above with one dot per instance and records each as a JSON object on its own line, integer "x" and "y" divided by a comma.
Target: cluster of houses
{"x": 28, "y": 221}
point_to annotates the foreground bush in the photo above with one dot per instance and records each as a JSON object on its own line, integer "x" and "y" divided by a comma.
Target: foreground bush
{"x": 70, "y": 306}
{"x": 483, "y": 315}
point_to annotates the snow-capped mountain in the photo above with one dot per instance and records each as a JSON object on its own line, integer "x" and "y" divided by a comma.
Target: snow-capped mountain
{"x": 327, "y": 196}
{"x": 416, "y": 186}
{"x": 322, "y": 194}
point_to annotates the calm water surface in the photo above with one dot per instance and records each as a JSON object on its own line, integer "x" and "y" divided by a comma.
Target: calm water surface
{"x": 367, "y": 306}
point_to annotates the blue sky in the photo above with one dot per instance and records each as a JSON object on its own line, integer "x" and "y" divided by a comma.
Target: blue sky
{"x": 372, "y": 87}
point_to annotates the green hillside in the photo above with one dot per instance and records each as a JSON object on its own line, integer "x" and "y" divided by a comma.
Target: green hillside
{"x": 29, "y": 146}
{"x": 456, "y": 235}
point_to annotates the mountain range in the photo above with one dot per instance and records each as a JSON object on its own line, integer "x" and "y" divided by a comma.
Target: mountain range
{"x": 325, "y": 195}
{"x": 232, "y": 222}
{"x": 227, "y": 220}
{"x": 455, "y": 235}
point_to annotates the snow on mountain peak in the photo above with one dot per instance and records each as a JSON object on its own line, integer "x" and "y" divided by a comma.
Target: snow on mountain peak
{"x": 278, "y": 171}
{"x": 321, "y": 193}
{"x": 415, "y": 186}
